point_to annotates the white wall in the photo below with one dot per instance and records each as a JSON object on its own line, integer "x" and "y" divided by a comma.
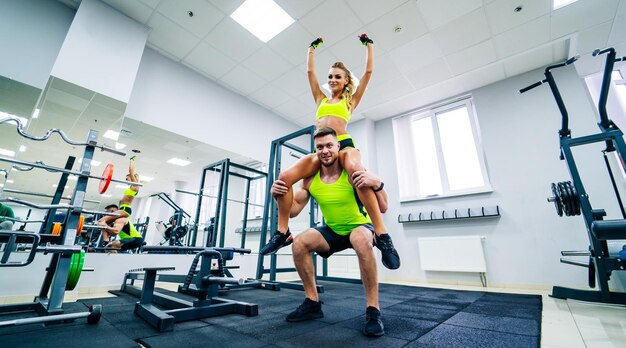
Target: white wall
{"x": 170, "y": 96}
{"x": 519, "y": 134}
{"x": 102, "y": 50}
{"x": 31, "y": 35}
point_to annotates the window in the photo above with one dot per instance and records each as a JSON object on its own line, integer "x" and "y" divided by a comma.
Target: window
{"x": 439, "y": 152}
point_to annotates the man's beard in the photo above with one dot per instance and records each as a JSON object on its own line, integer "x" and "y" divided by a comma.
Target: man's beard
{"x": 325, "y": 164}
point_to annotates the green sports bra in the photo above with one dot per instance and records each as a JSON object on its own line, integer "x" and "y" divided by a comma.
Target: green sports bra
{"x": 339, "y": 109}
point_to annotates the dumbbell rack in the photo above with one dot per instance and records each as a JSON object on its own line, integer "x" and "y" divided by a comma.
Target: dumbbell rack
{"x": 48, "y": 305}
{"x": 601, "y": 264}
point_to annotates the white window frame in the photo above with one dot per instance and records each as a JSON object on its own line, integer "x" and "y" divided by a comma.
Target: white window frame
{"x": 401, "y": 140}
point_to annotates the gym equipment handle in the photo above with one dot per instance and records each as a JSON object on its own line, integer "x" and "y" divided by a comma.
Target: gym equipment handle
{"x": 528, "y": 88}
{"x": 20, "y": 130}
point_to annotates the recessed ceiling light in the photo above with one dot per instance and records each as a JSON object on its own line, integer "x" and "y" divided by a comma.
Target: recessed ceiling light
{"x": 263, "y": 18}
{"x": 120, "y": 146}
{"x": 36, "y": 113}
{"x": 106, "y": 195}
{"x": 9, "y": 181}
{"x": 7, "y": 152}
{"x": 178, "y": 162}
{"x": 22, "y": 148}
{"x": 113, "y": 135}
{"x": 119, "y": 186}
{"x": 145, "y": 178}
{"x": 557, "y": 4}
{"x": 72, "y": 177}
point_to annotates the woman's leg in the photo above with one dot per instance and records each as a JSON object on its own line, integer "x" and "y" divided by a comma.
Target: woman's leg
{"x": 351, "y": 161}
{"x": 305, "y": 167}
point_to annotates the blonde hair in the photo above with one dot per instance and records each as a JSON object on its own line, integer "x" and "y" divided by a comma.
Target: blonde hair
{"x": 349, "y": 88}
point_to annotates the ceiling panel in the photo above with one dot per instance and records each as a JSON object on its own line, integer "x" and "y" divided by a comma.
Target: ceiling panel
{"x": 171, "y": 37}
{"x": 292, "y": 43}
{"x": 411, "y": 38}
{"x": 344, "y": 21}
{"x": 136, "y": 10}
{"x": 472, "y": 58}
{"x": 440, "y": 12}
{"x": 233, "y": 40}
{"x": 209, "y": 61}
{"x": 581, "y": 15}
{"x": 243, "y": 80}
{"x": 592, "y": 38}
{"x": 273, "y": 65}
{"x": 463, "y": 32}
{"x": 368, "y": 11}
{"x": 618, "y": 32}
{"x": 205, "y": 17}
{"x": 523, "y": 38}
{"x": 503, "y": 14}
{"x": 385, "y": 29}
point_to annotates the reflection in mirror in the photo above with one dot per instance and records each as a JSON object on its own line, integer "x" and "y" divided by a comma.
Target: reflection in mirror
{"x": 170, "y": 167}
{"x": 71, "y": 109}
{"x": 16, "y": 100}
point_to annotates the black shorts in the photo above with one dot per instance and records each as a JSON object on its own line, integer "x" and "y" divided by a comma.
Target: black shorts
{"x": 131, "y": 243}
{"x": 126, "y": 208}
{"x": 336, "y": 241}
{"x": 346, "y": 143}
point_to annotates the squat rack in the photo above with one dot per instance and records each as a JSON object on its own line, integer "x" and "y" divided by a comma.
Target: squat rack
{"x": 226, "y": 168}
{"x": 49, "y": 303}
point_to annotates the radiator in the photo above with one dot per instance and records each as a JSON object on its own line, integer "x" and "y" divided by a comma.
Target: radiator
{"x": 453, "y": 254}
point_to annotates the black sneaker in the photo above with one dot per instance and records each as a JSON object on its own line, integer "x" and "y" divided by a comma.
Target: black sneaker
{"x": 277, "y": 241}
{"x": 390, "y": 256}
{"x": 308, "y": 310}
{"x": 373, "y": 325}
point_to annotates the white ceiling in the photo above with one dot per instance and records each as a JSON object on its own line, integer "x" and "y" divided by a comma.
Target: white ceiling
{"x": 445, "y": 47}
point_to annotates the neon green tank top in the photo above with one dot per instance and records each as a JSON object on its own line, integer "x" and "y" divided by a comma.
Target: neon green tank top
{"x": 129, "y": 231}
{"x": 339, "y": 109}
{"x": 342, "y": 210}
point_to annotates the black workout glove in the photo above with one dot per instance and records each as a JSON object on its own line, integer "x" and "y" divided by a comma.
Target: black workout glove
{"x": 317, "y": 42}
{"x": 365, "y": 40}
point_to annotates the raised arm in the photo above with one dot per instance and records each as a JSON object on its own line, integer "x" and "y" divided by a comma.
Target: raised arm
{"x": 132, "y": 175}
{"x": 131, "y": 170}
{"x": 318, "y": 95}
{"x": 367, "y": 74}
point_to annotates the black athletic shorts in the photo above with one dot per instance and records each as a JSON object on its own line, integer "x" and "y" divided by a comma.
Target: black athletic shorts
{"x": 346, "y": 143}
{"x": 126, "y": 208}
{"x": 336, "y": 241}
{"x": 131, "y": 243}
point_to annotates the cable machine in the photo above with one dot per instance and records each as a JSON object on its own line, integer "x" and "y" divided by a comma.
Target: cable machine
{"x": 572, "y": 199}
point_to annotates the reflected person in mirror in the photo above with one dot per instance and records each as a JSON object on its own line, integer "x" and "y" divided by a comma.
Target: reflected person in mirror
{"x": 125, "y": 209}
{"x": 6, "y": 211}
{"x": 127, "y": 236}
